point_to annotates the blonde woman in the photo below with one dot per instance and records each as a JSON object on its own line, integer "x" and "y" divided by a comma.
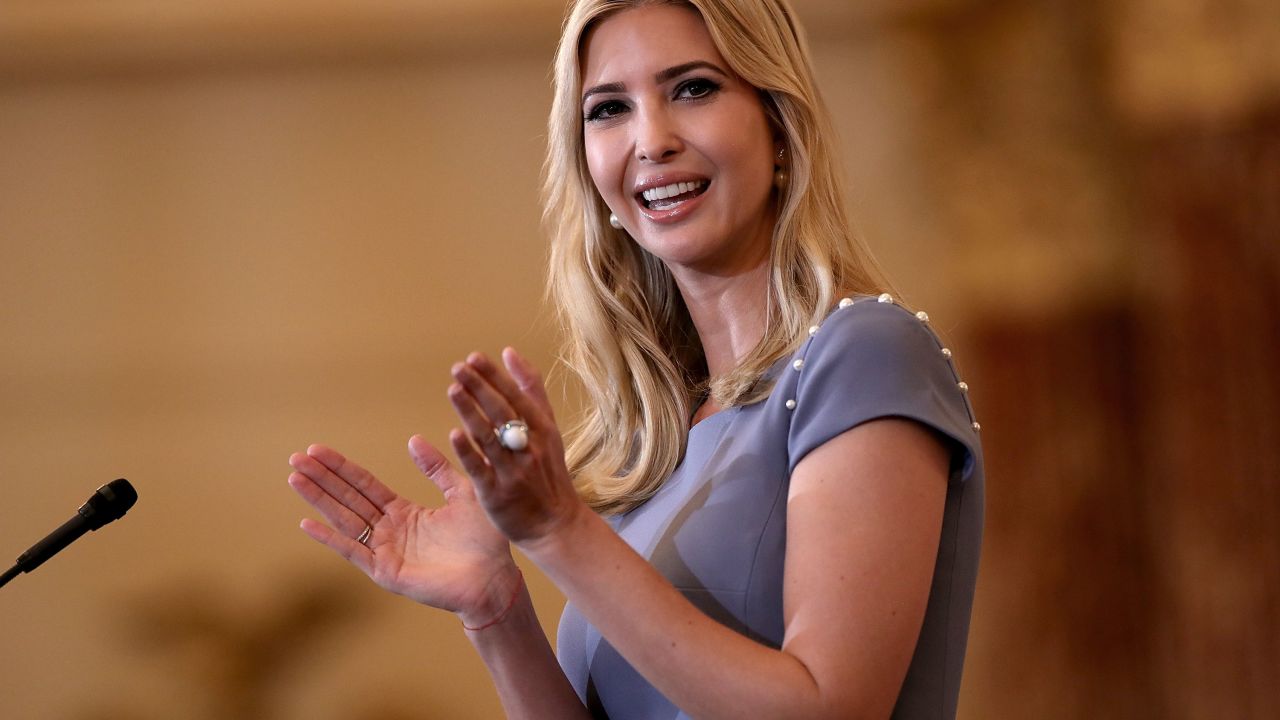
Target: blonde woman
{"x": 772, "y": 506}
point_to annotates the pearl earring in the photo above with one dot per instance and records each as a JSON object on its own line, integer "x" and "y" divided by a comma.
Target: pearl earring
{"x": 615, "y": 222}
{"x": 780, "y": 171}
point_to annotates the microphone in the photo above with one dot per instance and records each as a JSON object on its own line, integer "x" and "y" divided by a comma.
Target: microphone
{"x": 109, "y": 502}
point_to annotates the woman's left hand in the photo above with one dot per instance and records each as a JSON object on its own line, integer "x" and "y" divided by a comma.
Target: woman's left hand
{"x": 527, "y": 493}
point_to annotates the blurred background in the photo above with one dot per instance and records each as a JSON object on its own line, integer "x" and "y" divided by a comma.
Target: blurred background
{"x": 229, "y": 229}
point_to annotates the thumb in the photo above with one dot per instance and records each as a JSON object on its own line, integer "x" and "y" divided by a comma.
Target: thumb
{"x": 436, "y": 466}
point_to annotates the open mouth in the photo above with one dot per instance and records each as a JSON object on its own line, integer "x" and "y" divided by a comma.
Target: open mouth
{"x": 669, "y": 197}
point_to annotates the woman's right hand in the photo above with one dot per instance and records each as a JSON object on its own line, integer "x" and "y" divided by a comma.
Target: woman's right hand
{"x": 450, "y": 557}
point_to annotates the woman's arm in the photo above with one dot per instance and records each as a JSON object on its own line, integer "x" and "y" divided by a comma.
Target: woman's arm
{"x": 524, "y": 669}
{"x": 864, "y": 518}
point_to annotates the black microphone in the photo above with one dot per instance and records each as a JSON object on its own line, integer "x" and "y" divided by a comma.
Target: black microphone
{"x": 109, "y": 502}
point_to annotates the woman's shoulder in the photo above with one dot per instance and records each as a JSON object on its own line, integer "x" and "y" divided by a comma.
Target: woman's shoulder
{"x": 876, "y": 334}
{"x": 873, "y": 357}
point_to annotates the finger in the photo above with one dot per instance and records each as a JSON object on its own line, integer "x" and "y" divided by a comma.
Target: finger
{"x": 474, "y": 463}
{"x": 436, "y": 466}
{"x": 362, "y": 480}
{"x": 522, "y": 404}
{"x": 345, "y": 509}
{"x": 350, "y": 550}
{"x": 494, "y": 405}
{"x": 528, "y": 379}
{"x": 475, "y": 422}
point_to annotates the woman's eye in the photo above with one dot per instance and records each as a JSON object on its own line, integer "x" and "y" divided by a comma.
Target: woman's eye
{"x": 606, "y": 110}
{"x": 697, "y": 88}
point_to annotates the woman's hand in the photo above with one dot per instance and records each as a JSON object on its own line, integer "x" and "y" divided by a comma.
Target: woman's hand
{"x": 527, "y": 493}
{"x": 449, "y": 557}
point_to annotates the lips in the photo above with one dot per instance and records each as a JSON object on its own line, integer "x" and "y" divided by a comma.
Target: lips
{"x": 668, "y": 198}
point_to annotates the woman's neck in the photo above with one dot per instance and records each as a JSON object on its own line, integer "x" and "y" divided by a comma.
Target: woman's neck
{"x": 728, "y": 312}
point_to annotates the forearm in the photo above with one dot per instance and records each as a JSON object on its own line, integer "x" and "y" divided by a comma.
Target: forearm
{"x": 703, "y": 667}
{"x": 524, "y": 669}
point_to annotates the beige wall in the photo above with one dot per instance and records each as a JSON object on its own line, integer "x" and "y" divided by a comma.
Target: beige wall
{"x": 204, "y": 268}
{"x": 226, "y": 232}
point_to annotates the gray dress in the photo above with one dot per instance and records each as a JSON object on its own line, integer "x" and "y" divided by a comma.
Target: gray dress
{"x": 717, "y": 528}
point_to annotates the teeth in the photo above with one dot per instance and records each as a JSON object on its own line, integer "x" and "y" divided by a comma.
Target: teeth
{"x": 666, "y": 191}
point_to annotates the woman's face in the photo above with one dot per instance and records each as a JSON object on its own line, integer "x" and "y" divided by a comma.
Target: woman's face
{"x": 678, "y": 145}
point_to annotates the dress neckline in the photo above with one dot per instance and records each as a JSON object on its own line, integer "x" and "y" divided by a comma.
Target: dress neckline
{"x": 713, "y": 418}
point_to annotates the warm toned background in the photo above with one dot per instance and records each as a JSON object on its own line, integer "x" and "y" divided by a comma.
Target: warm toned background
{"x": 230, "y": 229}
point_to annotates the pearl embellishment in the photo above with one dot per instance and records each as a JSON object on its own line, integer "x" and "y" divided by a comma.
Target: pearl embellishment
{"x": 846, "y": 302}
{"x": 813, "y": 329}
{"x": 791, "y": 404}
{"x": 799, "y": 363}
{"x": 946, "y": 352}
{"x": 964, "y": 386}
{"x": 885, "y": 298}
{"x": 922, "y": 316}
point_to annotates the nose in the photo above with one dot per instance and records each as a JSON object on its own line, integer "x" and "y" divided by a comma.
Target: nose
{"x": 657, "y": 137}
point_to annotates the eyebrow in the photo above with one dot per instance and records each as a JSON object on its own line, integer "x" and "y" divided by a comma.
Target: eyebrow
{"x": 660, "y": 77}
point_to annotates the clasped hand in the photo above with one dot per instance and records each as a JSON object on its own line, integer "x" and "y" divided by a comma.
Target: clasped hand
{"x": 455, "y": 557}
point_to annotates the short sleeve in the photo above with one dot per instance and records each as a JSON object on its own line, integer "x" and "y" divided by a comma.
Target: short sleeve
{"x": 871, "y": 359}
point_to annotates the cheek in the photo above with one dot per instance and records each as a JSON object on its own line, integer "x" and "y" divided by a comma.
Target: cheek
{"x": 605, "y": 171}
{"x": 751, "y": 169}
{"x": 746, "y": 148}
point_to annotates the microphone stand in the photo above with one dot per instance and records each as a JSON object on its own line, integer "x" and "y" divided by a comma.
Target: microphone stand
{"x": 10, "y": 574}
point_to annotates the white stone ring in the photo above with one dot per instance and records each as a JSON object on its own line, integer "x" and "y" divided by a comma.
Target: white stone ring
{"x": 513, "y": 435}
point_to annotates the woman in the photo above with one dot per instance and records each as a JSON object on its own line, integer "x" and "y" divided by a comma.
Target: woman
{"x": 778, "y": 494}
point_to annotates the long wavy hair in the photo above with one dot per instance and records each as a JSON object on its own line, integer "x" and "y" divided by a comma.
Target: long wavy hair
{"x": 628, "y": 334}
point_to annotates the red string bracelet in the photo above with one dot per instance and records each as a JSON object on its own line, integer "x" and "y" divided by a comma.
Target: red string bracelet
{"x": 510, "y": 604}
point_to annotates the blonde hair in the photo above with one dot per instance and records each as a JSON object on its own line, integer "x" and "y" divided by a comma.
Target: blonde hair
{"x": 629, "y": 337}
